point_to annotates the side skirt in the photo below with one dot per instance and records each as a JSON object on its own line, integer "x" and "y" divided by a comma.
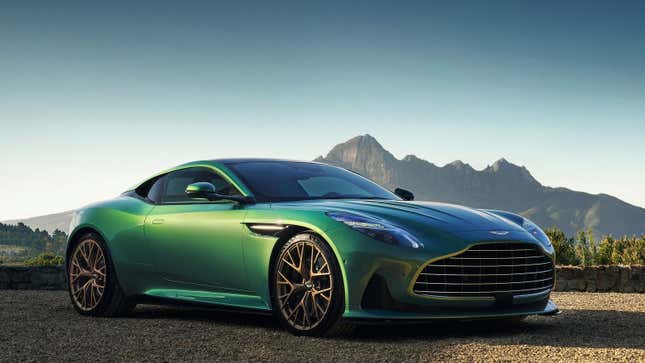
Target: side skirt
{"x": 205, "y": 298}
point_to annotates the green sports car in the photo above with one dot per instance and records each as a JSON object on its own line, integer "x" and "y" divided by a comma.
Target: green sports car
{"x": 320, "y": 247}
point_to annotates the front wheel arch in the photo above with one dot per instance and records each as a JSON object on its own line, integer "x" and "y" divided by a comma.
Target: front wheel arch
{"x": 331, "y": 323}
{"x": 294, "y": 230}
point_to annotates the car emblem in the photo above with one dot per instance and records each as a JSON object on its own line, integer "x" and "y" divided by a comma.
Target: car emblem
{"x": 499, "y": 233}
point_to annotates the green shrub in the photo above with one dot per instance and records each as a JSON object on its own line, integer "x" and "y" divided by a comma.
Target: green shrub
{"x": 583, "y": 250}
{"x": 629, "y": 251}
{"x": 565, "y": 251}
{"x": 45, "y": 259}
{"x": 604, "y": 255}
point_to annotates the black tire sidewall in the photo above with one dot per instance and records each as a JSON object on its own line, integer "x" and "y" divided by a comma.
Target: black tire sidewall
{"x": 335, "y": 311}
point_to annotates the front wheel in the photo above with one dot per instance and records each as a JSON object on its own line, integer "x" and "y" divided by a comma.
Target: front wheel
{"x": 92, "y": 284}
{"x": 307, "y": 288}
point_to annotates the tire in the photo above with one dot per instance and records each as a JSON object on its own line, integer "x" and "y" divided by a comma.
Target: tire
{"x": 85, "y": 267}
{"x": 308, "y": 299}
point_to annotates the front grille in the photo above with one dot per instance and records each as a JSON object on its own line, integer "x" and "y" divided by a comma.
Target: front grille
{"x": 488, "y": 270}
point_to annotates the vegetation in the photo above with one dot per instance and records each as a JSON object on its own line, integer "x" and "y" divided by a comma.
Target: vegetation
{"x": 45, "y": 259}
{"x": 19, "y": 243}
{"x": 584, "y": 251}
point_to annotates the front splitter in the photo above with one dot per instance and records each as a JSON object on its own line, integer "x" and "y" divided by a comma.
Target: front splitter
{"x": 386, "y": 315}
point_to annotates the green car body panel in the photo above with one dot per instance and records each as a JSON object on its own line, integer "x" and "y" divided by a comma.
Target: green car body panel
{"x": 205, "y": 252}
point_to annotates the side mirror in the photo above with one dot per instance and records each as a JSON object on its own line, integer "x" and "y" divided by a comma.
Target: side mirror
{"x": 205, "y": 190}
{"x": 404, "y": 194}
{"x": 201, "y": 190}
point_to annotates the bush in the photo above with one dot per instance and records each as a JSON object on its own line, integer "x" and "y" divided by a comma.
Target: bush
{"x": 604, "y": 256}
{"x": 585, "y": 248}
{"x": 45, "y": 259}
{"x": 584, "y": 251}
{"x": 565, "y": 250}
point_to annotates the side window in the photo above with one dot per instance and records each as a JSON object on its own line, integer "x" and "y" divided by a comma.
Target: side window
{"x": 175, "y": 184}
{"x": 221, "y": 185}
{"x": 151, "y": 189}
{"x": 154, "y": 194}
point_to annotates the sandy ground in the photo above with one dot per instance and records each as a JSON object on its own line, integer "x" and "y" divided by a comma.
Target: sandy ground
{"x": 42, "y": 326}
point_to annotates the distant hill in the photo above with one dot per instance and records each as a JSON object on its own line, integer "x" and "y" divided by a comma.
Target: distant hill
{"x": 502, "y": 185}
{"x": 48, "y": 222}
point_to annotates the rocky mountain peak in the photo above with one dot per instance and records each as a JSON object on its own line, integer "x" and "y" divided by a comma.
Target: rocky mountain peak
{"x": 502, "y": 185}
{"x": 504, "y": 167}
{"x": 358, "y": 151}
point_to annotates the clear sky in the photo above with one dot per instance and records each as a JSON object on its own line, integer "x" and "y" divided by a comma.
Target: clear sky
{"x": 95, "y": 96}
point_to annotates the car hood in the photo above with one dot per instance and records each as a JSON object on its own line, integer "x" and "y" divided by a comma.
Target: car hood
{"x": 438, "y": 216}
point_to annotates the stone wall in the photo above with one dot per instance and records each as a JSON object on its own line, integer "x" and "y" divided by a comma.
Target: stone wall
{"x": 32, "y": 278}
{"x": 569, "y": 278}
{"x": 601, "y": 278}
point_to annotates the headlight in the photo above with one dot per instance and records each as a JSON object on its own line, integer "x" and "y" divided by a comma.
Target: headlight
{"x": 377, "y": 229}
{"x": 536, "y": 231}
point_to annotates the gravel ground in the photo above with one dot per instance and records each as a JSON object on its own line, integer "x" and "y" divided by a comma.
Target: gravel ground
{"x": 41, "y": 325}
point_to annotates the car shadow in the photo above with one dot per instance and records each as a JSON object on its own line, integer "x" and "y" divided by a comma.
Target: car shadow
{"x": 211, "y": 315}
{"x": 573, "y": 328}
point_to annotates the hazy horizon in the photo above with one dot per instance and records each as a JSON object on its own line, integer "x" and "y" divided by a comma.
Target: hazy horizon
{"x": 96, "y": 97}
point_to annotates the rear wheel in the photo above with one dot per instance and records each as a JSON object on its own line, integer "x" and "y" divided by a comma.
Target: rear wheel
{"x": 307, "y": 288}
{"x": 92, "y": 284}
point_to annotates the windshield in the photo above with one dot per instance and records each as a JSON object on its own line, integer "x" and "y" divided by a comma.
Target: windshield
{"x": 275, "y": 181}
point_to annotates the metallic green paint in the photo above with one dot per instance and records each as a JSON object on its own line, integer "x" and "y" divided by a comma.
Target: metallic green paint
{"x": 204, "y": 252}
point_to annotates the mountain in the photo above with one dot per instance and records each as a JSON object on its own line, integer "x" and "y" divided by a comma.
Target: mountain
{"x": 502, "y": 185}
{"x": 49, "y": 222}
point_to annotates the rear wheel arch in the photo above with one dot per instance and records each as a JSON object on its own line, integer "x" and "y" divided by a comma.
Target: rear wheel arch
{"x": 114, "y": 302}
{"x": 75, "y": 236}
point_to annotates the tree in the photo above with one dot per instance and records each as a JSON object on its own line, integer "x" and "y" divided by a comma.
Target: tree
{"x": 585, "y": 248}
{"x": 565, "y": 252}
{"x": 605, "y": 251}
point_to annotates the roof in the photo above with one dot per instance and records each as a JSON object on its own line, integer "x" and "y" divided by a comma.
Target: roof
{"x": 255, "y": 160}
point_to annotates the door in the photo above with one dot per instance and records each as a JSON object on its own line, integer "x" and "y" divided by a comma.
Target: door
{"x": 197, "y": 243}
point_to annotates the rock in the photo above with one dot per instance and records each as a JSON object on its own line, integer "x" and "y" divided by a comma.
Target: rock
{"x": 581, "y": 285}
{"x": 638, "y": 280}
{"x": 623, "y": 280}
{"x": 607, "y": 277}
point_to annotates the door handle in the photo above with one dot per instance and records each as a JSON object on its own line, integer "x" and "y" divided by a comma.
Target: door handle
{"x": 158, "y": 221}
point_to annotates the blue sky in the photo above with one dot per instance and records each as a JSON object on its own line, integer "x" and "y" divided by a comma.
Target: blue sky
{"x": 96, "y": 96}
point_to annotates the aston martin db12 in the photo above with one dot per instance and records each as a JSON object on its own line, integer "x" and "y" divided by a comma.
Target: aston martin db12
{"x": 320, "y": 247}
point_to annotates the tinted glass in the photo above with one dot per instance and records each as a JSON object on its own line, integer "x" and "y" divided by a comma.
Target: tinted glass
{"x": 175, "y": 184}
{"x": 285, "y": 180}
{"x": 154, "y": 194}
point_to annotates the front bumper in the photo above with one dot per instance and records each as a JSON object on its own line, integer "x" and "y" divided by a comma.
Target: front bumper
{"x": 379, "y": 280}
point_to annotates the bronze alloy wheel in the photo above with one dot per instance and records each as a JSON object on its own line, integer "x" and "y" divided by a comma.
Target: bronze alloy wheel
{"x": 304, "y": 284}
{"x": 87, "y": 274}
